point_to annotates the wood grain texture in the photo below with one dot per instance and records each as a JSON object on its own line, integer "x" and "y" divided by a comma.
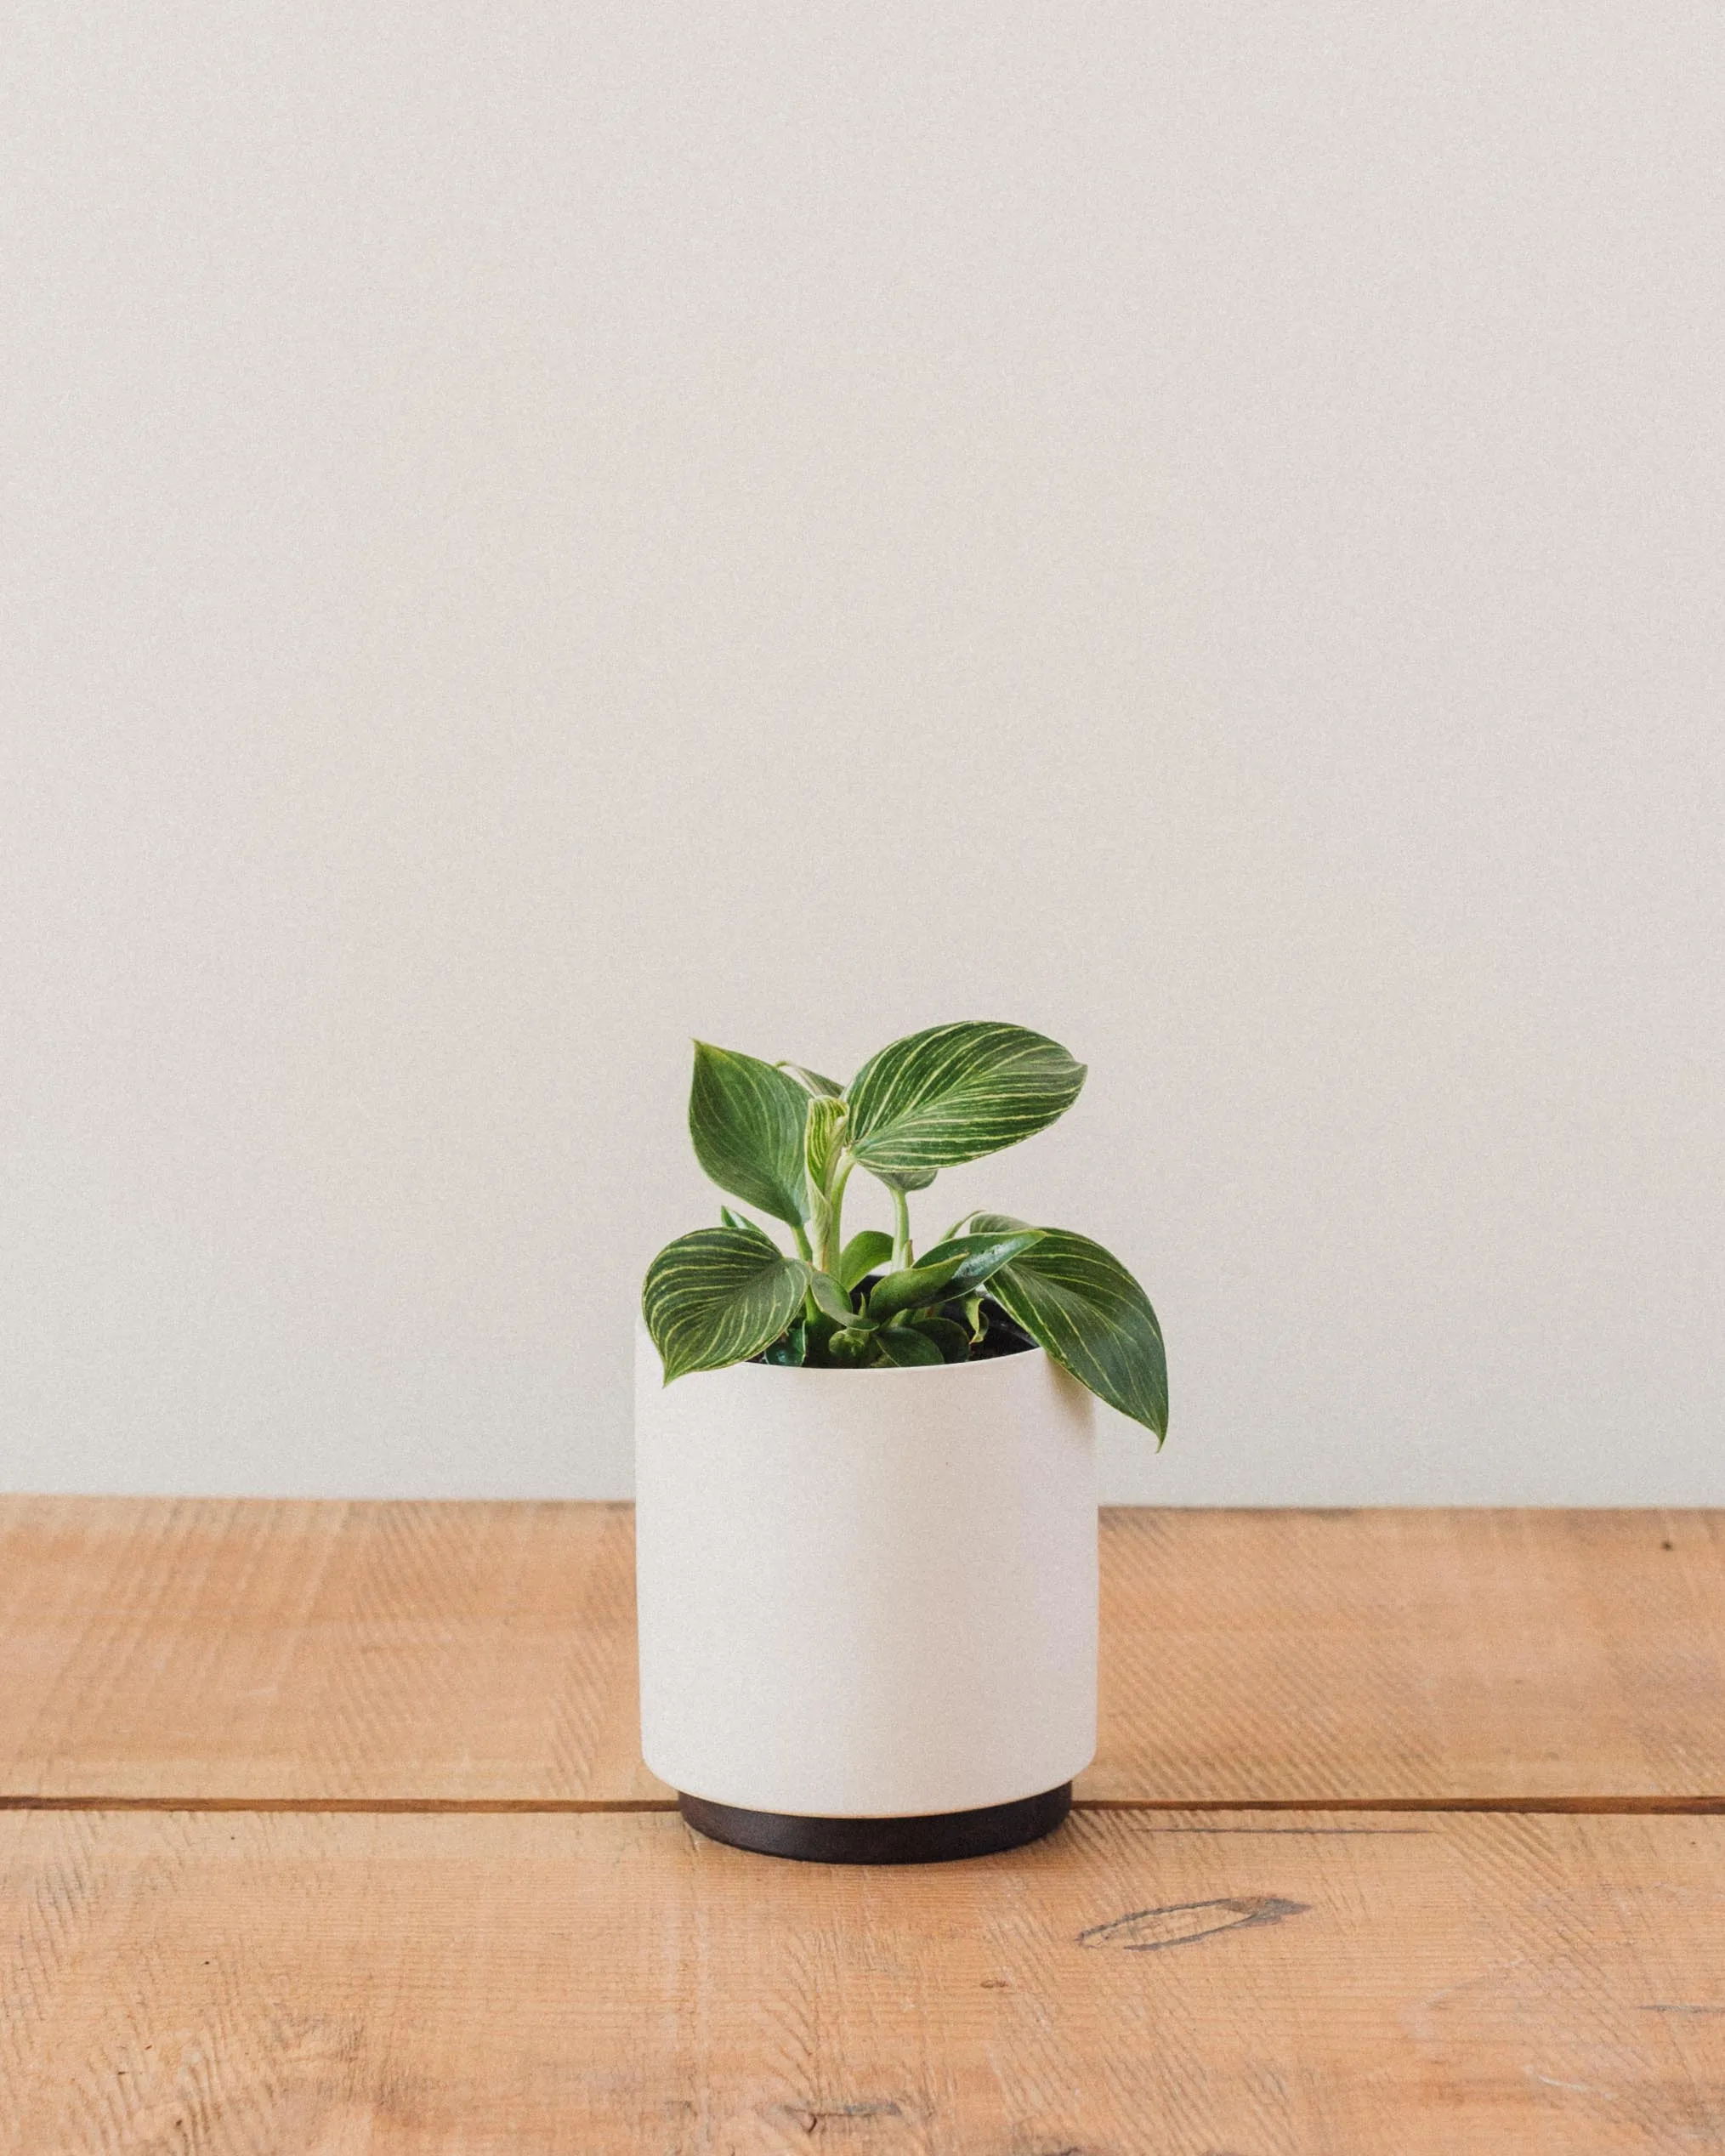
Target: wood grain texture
{"x": 1428, "y": 1654}
{"x": 1139, "y": 1985}
{"x": 464, "y": 1653}
{"x": 255, "y": 1649}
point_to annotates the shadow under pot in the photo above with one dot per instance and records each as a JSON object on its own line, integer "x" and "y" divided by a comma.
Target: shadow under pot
{"x": 867, "y": 1603}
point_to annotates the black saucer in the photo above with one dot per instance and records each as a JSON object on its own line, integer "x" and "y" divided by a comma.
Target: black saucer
{"x": 931, "y": 1838}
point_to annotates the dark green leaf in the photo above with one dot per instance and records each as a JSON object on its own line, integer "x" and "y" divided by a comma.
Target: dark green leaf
{"x": 952, "y": 1340}
{"x": 719, "y": 1296}
{"x": 746, "y": 1120}
{"x": 907, "y": 1346}
{"x": 790, "y": 1350}
{"x": 955, "y": 1093}
{"x": 833, "y": 1299}
{"x": 861, "y": 1255}
{"x": 948, "y": 1269}
{"x": 980, "y": 1256}
{"x": 816, "y": 1332}
{"x": 850, "y": 1345}
{"x": 1082, "y": 1305}
{"x": 909, "y": 1286}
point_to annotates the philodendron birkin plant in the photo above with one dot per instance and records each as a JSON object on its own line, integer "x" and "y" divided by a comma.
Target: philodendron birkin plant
{"x": 786, "y": 1141}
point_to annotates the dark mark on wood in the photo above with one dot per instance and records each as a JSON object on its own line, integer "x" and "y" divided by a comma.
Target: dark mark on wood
{"x": 808, "y": 2116}
{"x": 1682, "y": 2008}
{"x": 1145, "y": 1931}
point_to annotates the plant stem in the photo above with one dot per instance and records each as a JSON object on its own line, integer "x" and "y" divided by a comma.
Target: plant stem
{"x": 901, "y": 1229}
{"x": 826, "y": 1254}
{"x": 803, "y": 1249}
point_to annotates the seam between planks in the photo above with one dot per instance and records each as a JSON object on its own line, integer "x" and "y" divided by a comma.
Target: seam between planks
{"x": 1605, "y": 1806}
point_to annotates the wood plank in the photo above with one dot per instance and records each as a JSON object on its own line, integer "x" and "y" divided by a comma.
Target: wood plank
{"x": 484, "y": 1652}
{"x": 1410, "y": 1653}
{"x": 379, "y": 1985}
{"x": 258, "y": 1649}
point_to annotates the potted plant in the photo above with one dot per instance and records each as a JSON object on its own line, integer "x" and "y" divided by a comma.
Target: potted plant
{"x": 865, "y": 1480}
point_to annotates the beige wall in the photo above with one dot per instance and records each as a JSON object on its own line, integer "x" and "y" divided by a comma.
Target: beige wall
{"x": 532, "y": 532}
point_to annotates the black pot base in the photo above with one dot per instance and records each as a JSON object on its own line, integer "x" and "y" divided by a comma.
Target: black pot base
{"x": 931, "y": 1838}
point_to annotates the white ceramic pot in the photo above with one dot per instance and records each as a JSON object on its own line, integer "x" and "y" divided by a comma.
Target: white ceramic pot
{"x": 866, "y": 1595}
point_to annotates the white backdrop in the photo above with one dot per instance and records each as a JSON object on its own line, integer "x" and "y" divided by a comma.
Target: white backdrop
{"x": 534, "y": 533}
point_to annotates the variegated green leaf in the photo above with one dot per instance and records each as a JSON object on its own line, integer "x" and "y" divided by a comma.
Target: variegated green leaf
{"x": 1081, "y": 1304}
{"x": 955, "y": 1092}
{"x": 823, "y": 1137}
{"x": 747, "y": 1119}
{"x": 861, "y": 1255}
{"x": 719, "y": 1296}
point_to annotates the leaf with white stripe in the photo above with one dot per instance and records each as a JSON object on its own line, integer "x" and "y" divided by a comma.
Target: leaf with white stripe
{"x": 719, "y": 1296}
{"x": 745, "y": 1119}
{"x": 1081, "y": 1304}
{"x": 955, "y": 1092}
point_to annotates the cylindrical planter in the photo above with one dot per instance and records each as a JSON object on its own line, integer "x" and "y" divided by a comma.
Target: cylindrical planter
{"x": 867, "y": 1603}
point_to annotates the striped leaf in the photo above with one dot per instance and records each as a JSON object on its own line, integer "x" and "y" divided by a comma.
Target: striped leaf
{"x": 1082, "y": 1305}
{"x": 745, "y": 1119}
{"x": 957, "y": 1092}
{"x": 719, "y": 1296}
{"x": 823, "y": 1138}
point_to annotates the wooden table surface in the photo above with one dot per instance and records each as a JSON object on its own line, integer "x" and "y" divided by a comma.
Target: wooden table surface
{"x": 323, "y": 1832}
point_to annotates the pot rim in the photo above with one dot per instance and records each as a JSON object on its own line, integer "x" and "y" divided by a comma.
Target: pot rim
{"x": 1029, "y": 1356}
